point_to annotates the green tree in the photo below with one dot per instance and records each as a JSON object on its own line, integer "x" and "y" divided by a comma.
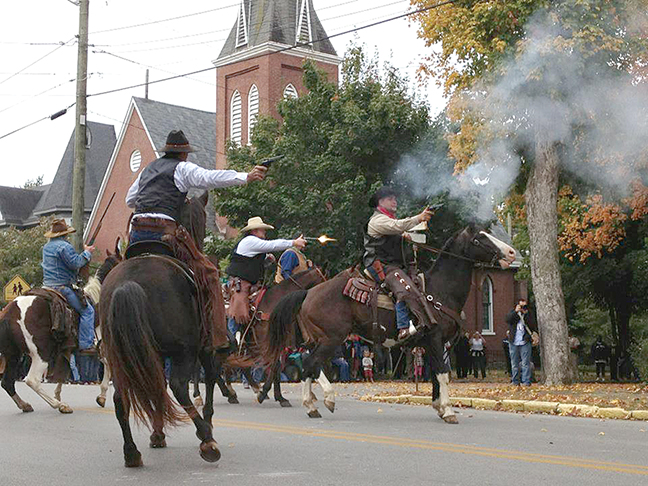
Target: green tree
{"x": 518, "y": 92}
{"x": 340, "y": 143}
{"x": 21, "y": 254}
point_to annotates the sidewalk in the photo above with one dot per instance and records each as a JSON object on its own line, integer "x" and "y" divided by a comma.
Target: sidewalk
{"x": 604, "y": 400}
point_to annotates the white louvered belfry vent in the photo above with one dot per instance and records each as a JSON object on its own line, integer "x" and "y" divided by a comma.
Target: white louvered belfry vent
{"x": 241, "y": 27}
{"x": 253, "y": 110}
{"x": 303, "y": 24}
{"x": 135, "y": 160}
{"x": 235, "y": 118}
{"x": 290, "y": 92}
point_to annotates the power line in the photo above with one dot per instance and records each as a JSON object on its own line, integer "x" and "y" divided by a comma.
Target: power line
{"x": 287, "y": 48}
{"x": 36, "y": 61}
{"x": 51, "y": 117}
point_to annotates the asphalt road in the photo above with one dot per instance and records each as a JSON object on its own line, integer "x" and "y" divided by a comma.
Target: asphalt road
{"x": 360, "y": 444}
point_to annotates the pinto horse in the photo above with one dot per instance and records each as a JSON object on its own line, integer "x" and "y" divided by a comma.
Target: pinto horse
{"x": 321, "y": 318}
{"x": 258, "y": 327}
{"x": 149, "y": 311}
{"x": 25, "y": 328}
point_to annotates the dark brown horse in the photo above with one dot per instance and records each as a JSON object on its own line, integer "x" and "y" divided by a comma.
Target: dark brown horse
{"x": 323, "y": 317}
{"x": 26, "y": 329}
{"x": 257, "y": 332}
{"x": 149, "y": 311}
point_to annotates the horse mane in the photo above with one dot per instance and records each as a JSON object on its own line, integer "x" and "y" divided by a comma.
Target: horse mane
{"x": 93, "y": 289}
{"x": 193, "y": 218}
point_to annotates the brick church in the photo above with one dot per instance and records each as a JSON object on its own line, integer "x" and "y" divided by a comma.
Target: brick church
{"x": 259, "y": 64}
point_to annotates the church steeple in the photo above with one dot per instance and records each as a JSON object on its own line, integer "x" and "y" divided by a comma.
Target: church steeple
{"x": 284, "y": 22}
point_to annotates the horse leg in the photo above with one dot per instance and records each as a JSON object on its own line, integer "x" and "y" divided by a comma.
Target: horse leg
{"x": 247, "y": 372}
{"x": 9, "y": 382}
{"x": 441, "y": 380}
{"x": 313, "y": 367}
{"x": 105, "y": 383}
{"x": 276, "y": 377}
{"x": 180, "y": 373}
{"x": 57, "y": 391}
{"x": 263, "y": 394}
{"x": 232, "y": 397}
{"x": 132, "y": 457}
{"x": 34, "y": 380}
{"x": 329, "y": 393}
{"x": 158, "y": 438}
{"x": 198, "y": 401}
{"x": 307, "y": 398}
{"x": 210, "y": 379}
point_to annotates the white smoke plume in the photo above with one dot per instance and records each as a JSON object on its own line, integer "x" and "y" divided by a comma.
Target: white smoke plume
{"x": 595, "y": 111}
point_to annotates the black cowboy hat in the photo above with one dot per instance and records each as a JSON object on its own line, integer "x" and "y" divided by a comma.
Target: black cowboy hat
{"x": 177, "y": 142}
{"x": 383, "y": 192}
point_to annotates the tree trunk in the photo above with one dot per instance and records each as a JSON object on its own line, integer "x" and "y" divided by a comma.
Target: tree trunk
{"x": 541, "y": 199}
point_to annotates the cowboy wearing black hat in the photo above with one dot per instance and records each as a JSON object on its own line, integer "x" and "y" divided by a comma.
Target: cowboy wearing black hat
{"x": 158, "y": 195}
{"x": 384, "y": 248}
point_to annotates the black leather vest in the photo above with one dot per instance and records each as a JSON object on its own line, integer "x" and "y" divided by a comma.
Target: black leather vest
{"x": 250, "y": 269}
{"x": 386, "y": 249}
{"x": 157, "y": 191}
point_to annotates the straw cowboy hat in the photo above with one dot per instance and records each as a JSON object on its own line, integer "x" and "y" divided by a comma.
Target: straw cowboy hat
{"x": 256, "y": 223}
{"x": 177, "y": 142}
{"x": 59, "y": 228}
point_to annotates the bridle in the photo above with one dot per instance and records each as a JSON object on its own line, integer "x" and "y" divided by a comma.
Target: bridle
{"x": 475, "y": 241}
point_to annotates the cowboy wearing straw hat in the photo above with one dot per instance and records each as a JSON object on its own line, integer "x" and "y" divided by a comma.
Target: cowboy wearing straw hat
{"x": 246, "y": 267}
{"x": 158, "y": 194}
{"x": 61, "y": 264}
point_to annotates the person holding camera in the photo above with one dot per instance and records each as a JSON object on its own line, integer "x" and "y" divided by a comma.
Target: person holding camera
{"x": 519, "y": 337}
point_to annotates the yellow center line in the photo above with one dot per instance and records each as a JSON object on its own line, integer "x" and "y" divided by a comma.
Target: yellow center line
{"x": 429, "y": 445}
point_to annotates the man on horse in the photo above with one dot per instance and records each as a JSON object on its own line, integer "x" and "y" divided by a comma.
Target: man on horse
{"x": 157, "y": 196}
{"x": 384, "y": 248}
{"x": 246, "y": 268}
{"x": 61, "y": 264}
{"x": 291, "y": 261}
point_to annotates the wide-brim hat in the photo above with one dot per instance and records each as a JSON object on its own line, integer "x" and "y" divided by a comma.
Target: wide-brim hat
{"x": 177, "y": 142}
{"x": 59, "y": 228}
{"x": 256, "y": 223}
{"x": 383, "y": 192}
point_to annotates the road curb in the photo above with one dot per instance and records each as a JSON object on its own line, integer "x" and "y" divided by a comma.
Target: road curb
{"x": 532, "y": 406}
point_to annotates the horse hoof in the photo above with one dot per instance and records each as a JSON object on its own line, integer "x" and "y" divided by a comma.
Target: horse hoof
{"x": 158, "y": 441}
{"x": 314, "y": 414}
{"x": 133, "y": 459}
{"x": 198, "y": 402}
{"x": 285, "y": 403}
{"x": 233, "y": 400}
{"x": 101, "y": 401}
{"x": 329, "y": 405}
{"x": 261, "y": 397}
{"x": 450, "y": 419}
{"x": 65, "y": 408}
{"x": 27, "y": 408}
{"x": 209, "y": 451}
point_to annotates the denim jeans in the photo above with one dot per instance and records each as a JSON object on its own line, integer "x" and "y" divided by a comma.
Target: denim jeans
{"x": 520, "y": 358}
{"x": 87, "y": 320}
{"x": 232, "y": 328}
{"x": 402, "y": 315}
{"x": 136, "y": 236}
{"x": 344, "y": 368}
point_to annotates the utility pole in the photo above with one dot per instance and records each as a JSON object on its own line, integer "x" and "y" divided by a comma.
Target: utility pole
{"x": 146, "y": 85}
{"x": 78, "y": 181}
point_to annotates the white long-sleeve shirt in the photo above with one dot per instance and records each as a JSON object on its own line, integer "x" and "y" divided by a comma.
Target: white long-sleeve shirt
{"x": 188, "y": 175}
{"x": 382, "y": 225}
{"x": 251, "y": 246}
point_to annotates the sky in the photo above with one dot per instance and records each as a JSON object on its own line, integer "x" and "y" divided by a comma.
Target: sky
{"x": 38, "y": 57}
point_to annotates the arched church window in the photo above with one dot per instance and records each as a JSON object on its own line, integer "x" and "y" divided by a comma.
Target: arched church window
{"x": 253, "y": 110}
{"x": 135, "y": 160}
{"x": 303, "y": 23}
{"x": 487, "y": 305}
{"x": 290, "y": 92}
{"x": 235, "y": 118}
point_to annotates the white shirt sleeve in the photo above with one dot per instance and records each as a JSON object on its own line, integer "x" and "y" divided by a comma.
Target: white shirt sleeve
{"x": 132, "y": 192}
{"x": 251, "y": 246}
{"x": 188, "y": 175}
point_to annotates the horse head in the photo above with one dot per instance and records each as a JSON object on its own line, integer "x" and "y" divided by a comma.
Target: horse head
{"x": 475, "y": 243}
{"x": 194, "y": 218}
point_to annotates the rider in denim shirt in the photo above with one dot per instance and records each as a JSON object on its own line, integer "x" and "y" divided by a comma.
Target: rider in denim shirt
{"x": 61, "y": 264}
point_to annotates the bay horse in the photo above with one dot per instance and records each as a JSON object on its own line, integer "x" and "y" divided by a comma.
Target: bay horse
{"x": 149, "y": 311}
{"x": 25, "y": 328}
{"x": 258, "y": 328}
{"x": 322, "y": 317}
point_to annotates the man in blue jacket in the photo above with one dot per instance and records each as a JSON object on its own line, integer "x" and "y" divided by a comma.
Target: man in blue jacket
{"x": 61, "y": 264}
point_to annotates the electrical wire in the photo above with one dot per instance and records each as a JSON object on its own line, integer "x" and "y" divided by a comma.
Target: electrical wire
{"x": 52, "y": 117}
{"x": 36, "y": 61}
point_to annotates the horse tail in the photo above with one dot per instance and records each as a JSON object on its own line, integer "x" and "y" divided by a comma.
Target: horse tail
{"x": 281, "y": 325}
{"x": 132, "y": 355}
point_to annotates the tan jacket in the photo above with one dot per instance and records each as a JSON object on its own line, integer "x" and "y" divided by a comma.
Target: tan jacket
{"x": 302, "y": 267}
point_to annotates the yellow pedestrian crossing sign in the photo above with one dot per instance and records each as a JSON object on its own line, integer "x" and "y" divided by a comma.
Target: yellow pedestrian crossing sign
{"x": 16, "y": 286}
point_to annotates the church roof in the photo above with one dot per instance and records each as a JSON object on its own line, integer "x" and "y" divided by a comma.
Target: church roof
{"x": 17, "y": 204}
{"x": 58, "y": 196}
{"x": 280, "y": 21}
{"x": 199, "y": 126}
